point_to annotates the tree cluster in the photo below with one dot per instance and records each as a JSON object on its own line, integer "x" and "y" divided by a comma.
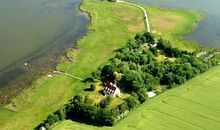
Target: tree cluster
{"x": 59, "y": 115}
{"x": 140, "y": 71}
{"x": 81, "y": 111}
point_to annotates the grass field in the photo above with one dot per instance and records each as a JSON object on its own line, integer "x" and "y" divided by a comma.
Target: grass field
{"x": 193, "y": 106}
{"x": 109, "y": 30}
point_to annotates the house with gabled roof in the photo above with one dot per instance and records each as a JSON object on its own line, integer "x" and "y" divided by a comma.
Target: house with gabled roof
{"x": 111, "y": 89}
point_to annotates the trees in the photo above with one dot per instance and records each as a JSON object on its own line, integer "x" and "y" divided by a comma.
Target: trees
{"x": 105, "y": 117}
{"x": 107, "y": 72}
{"x": 51, "y": 119}
{"x": 168, "y": 50}
{"x": 154, "y": 51}
{"x": 142, "y": 95}
{"x": 61, "y": 113}
{"x": 132, "y": 81}
{"x": 149, "y": 37}
{"x": 131, "y": 102}
{"x": 117, "y": 76}
{"x": 76, "y": 99}
{"x": 122, "y": 107}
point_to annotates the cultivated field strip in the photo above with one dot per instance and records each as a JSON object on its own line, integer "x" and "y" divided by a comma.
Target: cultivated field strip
{"x": 194, "y": 107}
{"x": 187, "y": 116}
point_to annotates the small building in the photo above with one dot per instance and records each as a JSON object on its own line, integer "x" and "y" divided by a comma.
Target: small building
{"x": 111, "y": 89}
{"x": 206, "y": 55}
{"x": 42, "y": 128}
{"x": 151, "y": 94}
{"x": 154, "y": 43}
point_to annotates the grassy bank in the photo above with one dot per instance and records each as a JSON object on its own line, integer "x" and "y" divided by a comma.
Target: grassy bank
{"x": 112, "y": 25}
{"x": 173, "y": 24}
{"x": 193, "y": 106}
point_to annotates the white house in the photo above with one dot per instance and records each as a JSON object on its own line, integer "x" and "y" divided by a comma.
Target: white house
{"x": 112, "y": 89}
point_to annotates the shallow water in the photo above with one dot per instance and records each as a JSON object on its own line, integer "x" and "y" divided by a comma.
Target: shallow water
{"x": 208, "y": 31}
{"x": 36, "y": 32}
{"x": 26, "y": 26}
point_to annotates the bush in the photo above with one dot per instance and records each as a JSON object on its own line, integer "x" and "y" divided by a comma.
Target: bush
{"x": 52, "y": 119}
{"x": 122, "y": 107}
{"x": 61, "y": 113}
{"x": 132, "y": 102}
{"x": 142, "y": 95}
{"x": 76, "y": 99}
{"x": 105, "y": 102}
{"x": 92, "y": 87}
{"x": 88, "y": 100}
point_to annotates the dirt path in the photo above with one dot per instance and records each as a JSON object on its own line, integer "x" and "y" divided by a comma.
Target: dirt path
{"x": 64, "y": 73}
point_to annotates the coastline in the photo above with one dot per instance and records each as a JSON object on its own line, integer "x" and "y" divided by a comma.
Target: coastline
{"x": 18, "y": 77}
{"x": 62, "y": 66}
{"x": 177, "y": 34}
{"x": 85, "y": 12}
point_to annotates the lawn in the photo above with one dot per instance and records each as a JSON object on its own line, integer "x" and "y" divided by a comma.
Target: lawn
{"x": 110, "y": 29}
{"x": 192, "y": 106}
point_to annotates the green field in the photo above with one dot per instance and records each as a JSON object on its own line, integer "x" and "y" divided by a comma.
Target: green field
{"x": 192, "y": 106}
{"x": 110, "y": 29}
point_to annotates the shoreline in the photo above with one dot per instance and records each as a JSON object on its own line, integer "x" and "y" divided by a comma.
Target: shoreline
{"x": 177, "y": 35}
{"x": 20, "y": 82}
{"x": 17, "y": 77}
{"x": 86, "y": 13}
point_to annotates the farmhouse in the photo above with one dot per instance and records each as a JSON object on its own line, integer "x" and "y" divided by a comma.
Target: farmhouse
{"x": 111, "y": 89}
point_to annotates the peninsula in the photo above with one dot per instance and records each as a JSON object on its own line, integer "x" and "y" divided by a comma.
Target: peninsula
{"x": 45, "y": 103}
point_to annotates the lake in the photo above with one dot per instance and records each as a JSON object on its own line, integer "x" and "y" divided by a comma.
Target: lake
{"x": 208, "y": 30}
{"x": 34, "y": 34}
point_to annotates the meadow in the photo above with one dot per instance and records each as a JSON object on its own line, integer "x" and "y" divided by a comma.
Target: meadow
{"x": 110, "y": 28}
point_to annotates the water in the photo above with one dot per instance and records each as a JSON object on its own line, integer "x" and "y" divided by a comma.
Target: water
{"x": 26, "y": 26}
{"x": 208, "y": 31}
{"x": 36, "y": 32}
